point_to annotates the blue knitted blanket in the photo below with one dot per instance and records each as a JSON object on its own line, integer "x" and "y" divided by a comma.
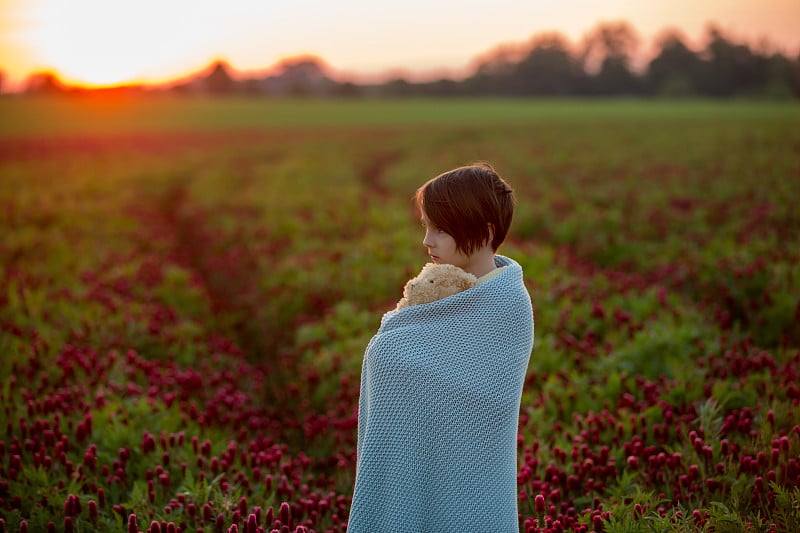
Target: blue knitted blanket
{"x": 439, "y": 409}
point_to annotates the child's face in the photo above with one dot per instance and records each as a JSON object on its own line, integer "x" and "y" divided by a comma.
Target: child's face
{"x": 441, "y": 246}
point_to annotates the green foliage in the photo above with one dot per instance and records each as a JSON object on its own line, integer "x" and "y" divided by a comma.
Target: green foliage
{"x": 709, "y": 418}
{"x": 223, "y": 287}
{"x": 655, "y": 351}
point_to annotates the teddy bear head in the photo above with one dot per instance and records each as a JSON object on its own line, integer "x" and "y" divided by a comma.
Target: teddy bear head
{"x": 435, "y": 282}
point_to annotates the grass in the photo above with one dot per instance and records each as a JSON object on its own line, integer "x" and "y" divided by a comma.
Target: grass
{"x": 79, "y": 116}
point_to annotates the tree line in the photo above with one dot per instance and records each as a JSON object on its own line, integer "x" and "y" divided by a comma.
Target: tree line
{"x": 603, "y": 66}
{"x": 547, "y": 65}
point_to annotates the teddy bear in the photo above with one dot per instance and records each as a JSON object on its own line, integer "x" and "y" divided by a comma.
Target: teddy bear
{"x": 435, "y": 282}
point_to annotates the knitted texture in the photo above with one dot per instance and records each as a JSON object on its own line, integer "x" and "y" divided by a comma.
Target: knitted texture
{"x": 439, "y": 409}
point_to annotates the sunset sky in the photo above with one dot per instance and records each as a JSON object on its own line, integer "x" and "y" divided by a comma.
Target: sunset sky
{"x": 104, "y": 42}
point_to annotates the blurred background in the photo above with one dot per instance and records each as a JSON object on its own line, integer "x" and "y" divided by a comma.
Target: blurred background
{"x": 359, "y": 48}
{"x": 205, "y": 210}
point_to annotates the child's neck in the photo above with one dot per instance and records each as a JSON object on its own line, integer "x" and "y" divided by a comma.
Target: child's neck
{"x": 481, "y": 262}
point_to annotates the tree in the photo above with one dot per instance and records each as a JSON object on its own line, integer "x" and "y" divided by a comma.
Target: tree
{"x": 675, "y": 70}
{"x": 2, "y": 80}
{"x": 398, "y": 87}
{"x": 548, "y": 69}
{"x": 794, "y": 75}
{"x": 781, "y": 82}
{"x": 46, "y": 83}
{"x": 607, "y": 50}
{"x": 441, "y": 87}
{"x": 304, "y": 76}
{"x": 347, "y": 89}
{"x": 729, "y": 68}
{"x": 301, "y": 76}
{"x": 492, "y": 70}
{"x": 219, "y": 81}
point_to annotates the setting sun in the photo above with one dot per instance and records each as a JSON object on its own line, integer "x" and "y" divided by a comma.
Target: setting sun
{"x": 100, "y": 43}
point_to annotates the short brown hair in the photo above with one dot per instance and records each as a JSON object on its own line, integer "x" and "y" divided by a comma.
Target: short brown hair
{"x": 466, "y": 202}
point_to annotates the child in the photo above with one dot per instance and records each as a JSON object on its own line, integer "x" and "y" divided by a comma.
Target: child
{"x": 441, "y": 382}
{"x": 466, "y": 214}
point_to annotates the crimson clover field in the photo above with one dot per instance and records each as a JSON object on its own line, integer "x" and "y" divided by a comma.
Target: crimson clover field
{"x": 187, "y": 288}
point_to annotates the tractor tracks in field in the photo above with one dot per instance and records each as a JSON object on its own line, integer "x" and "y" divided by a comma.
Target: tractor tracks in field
{"x": 226, "y": 246}
{"x": 373, "y": 174}
{"x": 222, "y": 262}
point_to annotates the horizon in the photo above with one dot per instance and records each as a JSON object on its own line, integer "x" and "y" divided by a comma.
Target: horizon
{"x": 142, "y": 46}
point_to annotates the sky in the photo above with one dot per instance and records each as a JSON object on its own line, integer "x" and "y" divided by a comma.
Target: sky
{"x": 107, "y": 42}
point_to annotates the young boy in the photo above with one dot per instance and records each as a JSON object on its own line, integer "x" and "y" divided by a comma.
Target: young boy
{"x": 466, "y": 213}
{"x": 441, "y": 382}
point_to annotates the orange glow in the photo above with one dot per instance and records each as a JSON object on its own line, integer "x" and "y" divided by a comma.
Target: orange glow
{"x": 99, "y": 43}
{"x": 96, "y": 43}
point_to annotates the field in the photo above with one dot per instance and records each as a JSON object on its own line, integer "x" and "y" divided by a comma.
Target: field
{"x": 187, "y": 288}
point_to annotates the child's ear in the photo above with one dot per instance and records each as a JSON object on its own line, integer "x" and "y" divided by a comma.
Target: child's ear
{"x": 491, "y": 232}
